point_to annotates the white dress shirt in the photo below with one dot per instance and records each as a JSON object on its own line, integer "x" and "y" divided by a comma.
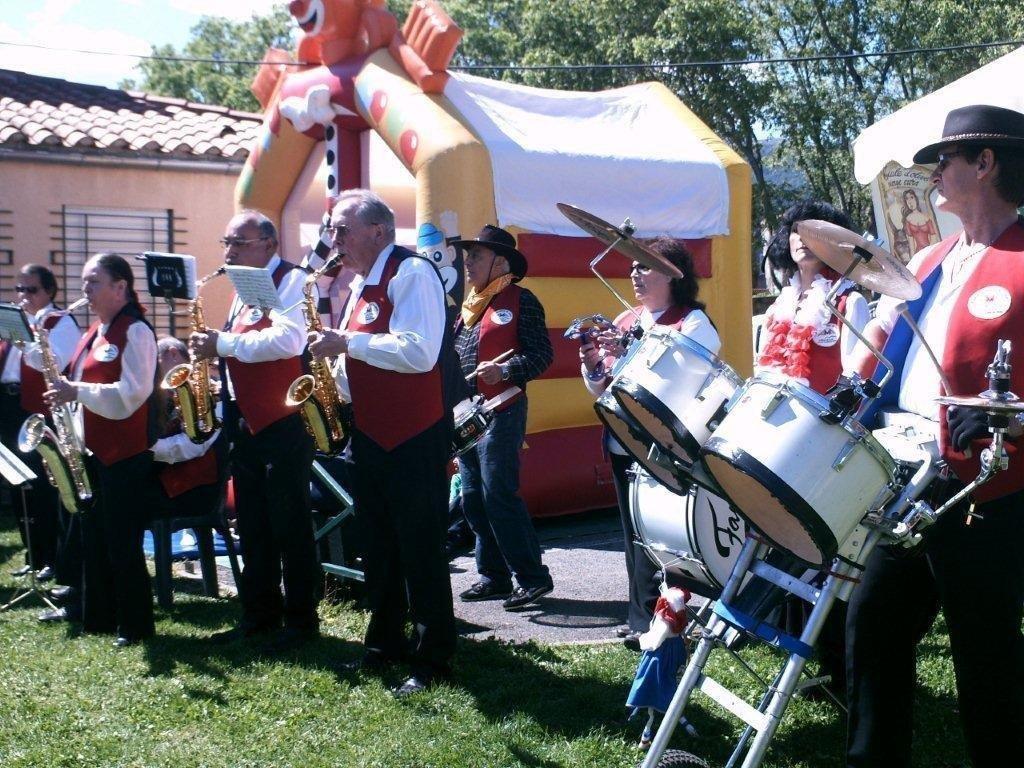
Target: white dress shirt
{"x": 413, "y": 340}
{"x": 920, "y": 384}
{"x": 63, "y": 340}
{"x": 122, "y": 398}
{"x": 286, "y": 335}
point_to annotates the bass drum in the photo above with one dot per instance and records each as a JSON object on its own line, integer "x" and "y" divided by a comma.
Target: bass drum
{"x": 695, "y": 539}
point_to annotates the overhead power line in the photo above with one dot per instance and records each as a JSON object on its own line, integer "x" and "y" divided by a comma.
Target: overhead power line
{"x": 566, "y": 67}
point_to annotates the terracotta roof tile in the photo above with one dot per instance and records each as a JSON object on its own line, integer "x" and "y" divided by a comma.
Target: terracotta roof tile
{"x": 53, "y": 113}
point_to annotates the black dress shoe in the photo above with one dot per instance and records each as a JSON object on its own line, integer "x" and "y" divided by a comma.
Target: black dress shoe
{"x": 289, "y": 639}
{"x": 413, "y": 684}
{"x": 56, "y": 614}
{"x": 62, "y": 594}
{"x": 523, "y": 597}
{"x": 623, "y": 632}
{"x": 125, "y": 642}
{"x": 23, "y": 571}
{"x": 240, "y": 632}
{"x": 45, "y": 573}
{"x": 632, "y": 641}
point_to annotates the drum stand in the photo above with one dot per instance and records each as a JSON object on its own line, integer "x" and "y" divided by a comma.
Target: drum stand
{"x": 762, "y": 720}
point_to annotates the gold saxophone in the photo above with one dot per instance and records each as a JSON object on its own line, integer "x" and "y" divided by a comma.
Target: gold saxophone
{"x": 189, "y": 383}
{"x": 62, "y": 451}
{"x": 325, "y": 414}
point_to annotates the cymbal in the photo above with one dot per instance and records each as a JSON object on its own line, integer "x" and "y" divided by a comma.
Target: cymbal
{"x": 836, "y": 246}
{"x": 984, "y": 403}
{"x": 621, "y": 238}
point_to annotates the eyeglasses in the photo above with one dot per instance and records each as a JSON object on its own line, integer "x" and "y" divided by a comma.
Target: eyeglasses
{"x": 337, "y": 231}
{"x": 31, "y": 290}
{"x": 229, "y": 242}
{"x": 945, "y": 158}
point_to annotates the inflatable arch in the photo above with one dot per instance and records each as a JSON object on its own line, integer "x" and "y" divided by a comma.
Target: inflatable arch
{"x": 481, "y": 151}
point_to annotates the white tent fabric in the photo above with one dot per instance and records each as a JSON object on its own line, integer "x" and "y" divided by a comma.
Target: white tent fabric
{"x": 898, "y": 136}
{"x": 602, "y": 152}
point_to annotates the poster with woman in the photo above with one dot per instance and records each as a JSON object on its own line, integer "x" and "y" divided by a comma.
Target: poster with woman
{"x": 903, "y": 209}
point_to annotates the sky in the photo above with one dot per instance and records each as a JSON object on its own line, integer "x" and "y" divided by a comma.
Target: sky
{"x": 119, "y": 26}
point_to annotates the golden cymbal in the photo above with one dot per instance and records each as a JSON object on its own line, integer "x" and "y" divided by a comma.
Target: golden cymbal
{"x": 620, "y": 238}
{"x": 879, "y": 270}
{"x": 984, "y": 403}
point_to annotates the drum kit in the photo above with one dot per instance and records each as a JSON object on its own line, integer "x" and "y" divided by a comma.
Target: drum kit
{"x": 731, "y": 473}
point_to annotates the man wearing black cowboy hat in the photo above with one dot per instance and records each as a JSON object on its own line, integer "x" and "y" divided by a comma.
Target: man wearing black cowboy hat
{"x": 971, "y": 562}
{"x": 497, "y": 316}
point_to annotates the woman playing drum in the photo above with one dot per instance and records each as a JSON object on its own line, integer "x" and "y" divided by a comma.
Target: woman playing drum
{"x": 664, "y": 301}
{"x": 800, "y": 337}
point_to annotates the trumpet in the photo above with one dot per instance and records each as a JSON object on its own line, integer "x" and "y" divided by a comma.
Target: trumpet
{"x": 189, "y": 383}
{"x": 62, "y": 448}
{"x": 326, "y": 416}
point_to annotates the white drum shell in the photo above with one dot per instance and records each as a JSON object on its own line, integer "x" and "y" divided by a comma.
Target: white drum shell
{"x": 837, "y": 471}
{"x": 673, "y": 387}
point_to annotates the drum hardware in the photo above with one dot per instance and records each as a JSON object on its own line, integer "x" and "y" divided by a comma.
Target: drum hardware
{"x": 846, "y": 396}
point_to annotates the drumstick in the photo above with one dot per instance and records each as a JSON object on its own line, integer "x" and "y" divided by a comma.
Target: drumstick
{"x": 499, "y": 359}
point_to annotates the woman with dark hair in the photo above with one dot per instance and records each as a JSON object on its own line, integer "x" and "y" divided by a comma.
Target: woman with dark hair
{"x": 800, "y": 337}
{"x": 113, "y": 377}
{"x": 916, "y": 223}
{"x": 664, "y": 301}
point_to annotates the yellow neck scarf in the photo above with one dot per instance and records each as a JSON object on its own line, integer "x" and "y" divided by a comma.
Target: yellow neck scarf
{"x": 475, "y": 304}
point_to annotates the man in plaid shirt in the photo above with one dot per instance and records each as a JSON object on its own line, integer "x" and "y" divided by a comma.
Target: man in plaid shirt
{"x": 500, "y": 317}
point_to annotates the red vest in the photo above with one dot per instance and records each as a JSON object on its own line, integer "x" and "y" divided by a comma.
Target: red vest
{"x": 112, "y": 440}
{"x": 32, "y": 384}
{"x": 389, "y": 407}
{"x": 499, "y": 332}
{"x": 261, "y": 388}
{"x": 186, "y": 475}
{"x": 971, "y": 345}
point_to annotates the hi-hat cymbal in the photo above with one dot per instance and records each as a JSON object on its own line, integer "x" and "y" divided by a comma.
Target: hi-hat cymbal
{"x": 621, "y": 238}
{"x": 837, "y": 246}
{"x": 984, "y": 403}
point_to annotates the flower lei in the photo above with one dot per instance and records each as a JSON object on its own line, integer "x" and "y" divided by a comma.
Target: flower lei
{"x": 792, "y": 325}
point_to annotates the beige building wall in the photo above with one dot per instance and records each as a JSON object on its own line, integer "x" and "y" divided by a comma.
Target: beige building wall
{"x": 200, "y": 194}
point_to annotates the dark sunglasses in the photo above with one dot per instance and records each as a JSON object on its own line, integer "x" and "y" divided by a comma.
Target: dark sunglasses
{"x": 31, "y": 290}
{"x": 945, "y": 158}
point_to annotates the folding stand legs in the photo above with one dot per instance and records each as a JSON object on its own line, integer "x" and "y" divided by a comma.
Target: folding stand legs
{"x": 34, "y": 587}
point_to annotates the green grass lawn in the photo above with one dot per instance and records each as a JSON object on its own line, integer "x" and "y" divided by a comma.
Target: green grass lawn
{"x": 76, "y": 701}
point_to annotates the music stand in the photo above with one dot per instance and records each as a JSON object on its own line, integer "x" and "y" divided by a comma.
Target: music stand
{"x": 18, "y": 474}
{"x": 170, "y": 276}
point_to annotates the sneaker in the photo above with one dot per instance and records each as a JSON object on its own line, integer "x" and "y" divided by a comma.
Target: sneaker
{"x": 522, "y": 596}
{"x": 484, "y": 590}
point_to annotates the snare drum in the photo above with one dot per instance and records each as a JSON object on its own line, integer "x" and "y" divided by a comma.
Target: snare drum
{"x": 803, "y": 482}
{"x": 472, "y": 421}
{"x": 675, "y": 390}
{"x": 694, "y": 538}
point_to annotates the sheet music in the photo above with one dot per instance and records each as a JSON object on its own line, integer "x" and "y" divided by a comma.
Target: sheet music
{"x": 13, "y": 469}
{"x": 174, "y": 272}
{"x": 255, "y": 287}
{"x": 14, "y": 323}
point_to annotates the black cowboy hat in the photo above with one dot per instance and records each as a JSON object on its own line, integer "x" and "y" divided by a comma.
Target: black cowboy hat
{"x": 978, "y": 124}
{"x": 503, "y": 244}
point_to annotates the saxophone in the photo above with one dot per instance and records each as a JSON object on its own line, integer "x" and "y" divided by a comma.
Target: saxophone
{"x": 326, "y": 416}
{"x": 62, "y": 449}
{"x": 189, "y": 383}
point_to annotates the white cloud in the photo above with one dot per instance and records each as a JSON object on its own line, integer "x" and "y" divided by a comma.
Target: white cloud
{"x": 239, "y": 11}
{"x": 78, "y": 67}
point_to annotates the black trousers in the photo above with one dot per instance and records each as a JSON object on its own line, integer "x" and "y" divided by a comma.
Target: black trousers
{"x": 271, "y": 479}
{"x": 41, "y": 500}
{"x": 640, "y": 569}
{"x": 116, "y": 591}
{"x": 975, "y": 574}
{"x": 403, "y": 496}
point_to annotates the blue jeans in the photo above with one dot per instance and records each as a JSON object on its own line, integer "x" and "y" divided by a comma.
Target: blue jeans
{"x": 506, "y": 542}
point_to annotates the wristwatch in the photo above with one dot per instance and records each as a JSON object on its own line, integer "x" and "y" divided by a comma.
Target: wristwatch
{"x": 505, "y": 375}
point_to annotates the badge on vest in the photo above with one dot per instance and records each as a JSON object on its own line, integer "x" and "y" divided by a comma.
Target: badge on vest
{"x": 106, "y": 353}
{"x": 254, "y": 316}
{"x": 502, "y": 316}
{"x": 369, "y": 313}
{"x": 826, "y": 336}
{"x": 989, "y": 302}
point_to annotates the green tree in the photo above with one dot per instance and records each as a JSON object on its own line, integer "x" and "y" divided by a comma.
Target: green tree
{"x": 221, "y": 40}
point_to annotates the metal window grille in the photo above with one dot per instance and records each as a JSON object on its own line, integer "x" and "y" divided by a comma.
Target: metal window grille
{"x": 8, "y": 273}
{"x": 79, "y": 233}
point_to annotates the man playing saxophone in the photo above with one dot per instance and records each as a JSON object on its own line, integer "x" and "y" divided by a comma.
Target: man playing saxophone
{"x": 21, "y": 394}
{"x": 271, "y": 452}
